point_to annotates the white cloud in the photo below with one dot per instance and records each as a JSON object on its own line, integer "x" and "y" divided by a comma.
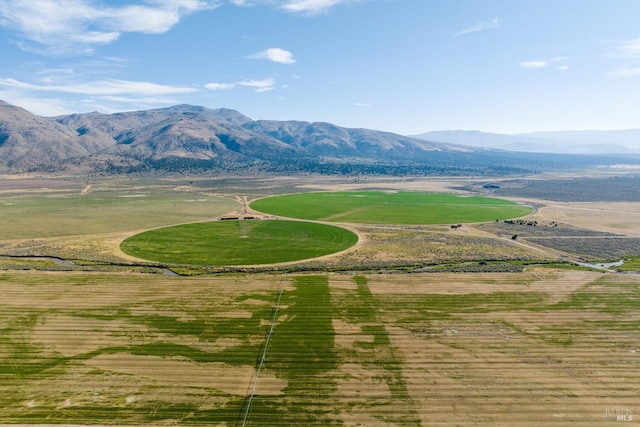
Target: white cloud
{"x": 363, "y": 104}
{"x": 62, "y": 90}
{"x": 39, "y": 106}
{"x": 628, "y": 52}
{"x": 534, "y": 64}
{"x": 480, "y": 26}
{"x": 55, "y": 106}
{"x": 546, "y": 63}
{"x": 274, "y": 54}
{"x": 100, "y": 88}
{"x": 307, "y": 7}
{"x": 72, "y": 25}
{"x": 220, "y": 86}
{"x": 311, "y": 7}
{"x": 258, "y": 85}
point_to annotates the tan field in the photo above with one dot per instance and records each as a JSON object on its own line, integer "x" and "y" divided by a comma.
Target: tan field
{"x": 543, "y": 347}
{"x": 621, "y": 218}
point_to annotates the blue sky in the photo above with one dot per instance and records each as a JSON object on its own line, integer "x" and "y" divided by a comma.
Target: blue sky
{"x": 405, "y": 66}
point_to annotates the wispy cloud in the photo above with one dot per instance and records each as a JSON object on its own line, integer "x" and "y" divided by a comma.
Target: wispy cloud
{"x": 220, "y": 86}
{"x": 310, "y": 6}
{"x": 274, "y": 54}
{"x": 627, "y": 71}
{"x": 109, "y": 87}
{"x": 627, "y": 51}
{"x": 258, "y": 85}
{"x": 42, "y": 106}
{"x": 557, "y": 62}
{"x": 629, "y": 48}
{"x": 82, "y": 86}
{"x": 305, "y": 7}
{"x": 480, "y": 26}
{"x": 533, "y": 64}
{"x": 78, "y": 25}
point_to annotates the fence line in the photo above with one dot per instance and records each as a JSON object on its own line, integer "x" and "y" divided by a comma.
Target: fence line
{"x": 263, "y": 357}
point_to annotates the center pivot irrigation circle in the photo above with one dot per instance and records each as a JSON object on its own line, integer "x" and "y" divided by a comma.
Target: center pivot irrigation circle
{"x": 380, "y": 207}
{"x": 239, "y": 242}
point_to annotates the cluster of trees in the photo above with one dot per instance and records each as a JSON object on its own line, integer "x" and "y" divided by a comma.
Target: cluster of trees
{"x": 290, "y": 165}
{"x": 521, "y": 222}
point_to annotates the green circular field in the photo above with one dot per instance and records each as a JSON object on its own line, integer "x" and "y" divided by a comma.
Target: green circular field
{"x": 377, "y": 207}
{"x": 239, "y": 242}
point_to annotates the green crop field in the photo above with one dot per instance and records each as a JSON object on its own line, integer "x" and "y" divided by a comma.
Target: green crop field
{"x": 239, "y": 242}
{"x": 375, "y": 207}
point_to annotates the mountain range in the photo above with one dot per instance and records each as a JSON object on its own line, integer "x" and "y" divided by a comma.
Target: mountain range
{"x": 567, "y": 142}
{"x": 193, "y": 139}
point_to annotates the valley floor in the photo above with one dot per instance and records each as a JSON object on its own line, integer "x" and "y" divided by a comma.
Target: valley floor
{"x": 483, "y": 324}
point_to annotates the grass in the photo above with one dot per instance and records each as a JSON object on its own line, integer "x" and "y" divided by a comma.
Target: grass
{"x": 36, "y": 379}
{"x": 346, "y": 350}
{"x": 630, "y": 264}
{"x": 448, "y": 306}
{"x": 239, "y": 242}
{"x": 302, "y": 352}
{"x": 374, "y": 207}
{"x": 53, "y": 215}
{"x": 606, "y": 295}
{"x": 373, "y": 355}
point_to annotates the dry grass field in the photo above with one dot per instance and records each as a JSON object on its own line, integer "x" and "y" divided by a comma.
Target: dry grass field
{"x": 537, "y": 348}
{"x": 623, "y": 218}
{"x": 352, "y": 339}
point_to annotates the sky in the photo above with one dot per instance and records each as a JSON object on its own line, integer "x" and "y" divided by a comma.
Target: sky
{"x": 403, "y": 66}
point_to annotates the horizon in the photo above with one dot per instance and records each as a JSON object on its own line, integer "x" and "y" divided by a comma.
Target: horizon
{"x": 401, "y": 66}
